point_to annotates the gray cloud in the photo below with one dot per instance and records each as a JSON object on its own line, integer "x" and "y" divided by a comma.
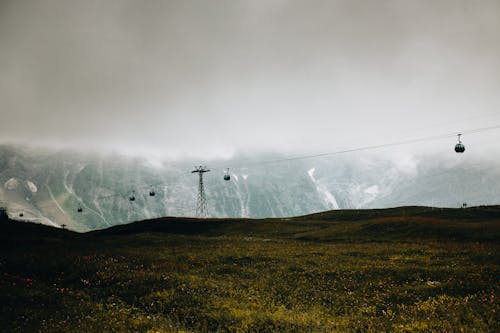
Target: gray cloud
{"x": 209, "y": 78}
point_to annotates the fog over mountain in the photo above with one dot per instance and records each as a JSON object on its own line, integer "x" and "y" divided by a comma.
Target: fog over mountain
{"x": 100, "y": 98}
{"x": 208, "y": 79}
{"x": 48, "y": 186}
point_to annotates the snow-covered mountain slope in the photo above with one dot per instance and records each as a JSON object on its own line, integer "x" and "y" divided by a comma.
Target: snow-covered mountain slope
{"x": 48, "y": 186}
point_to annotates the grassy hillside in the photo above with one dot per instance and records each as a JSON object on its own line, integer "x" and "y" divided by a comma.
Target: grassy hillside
{"x": 408, "y": 269}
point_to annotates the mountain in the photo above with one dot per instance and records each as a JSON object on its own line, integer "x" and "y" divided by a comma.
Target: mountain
{"x": 48, "y": 186}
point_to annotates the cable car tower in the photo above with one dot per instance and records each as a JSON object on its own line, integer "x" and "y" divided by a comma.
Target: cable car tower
{"x": 201, "y": 205}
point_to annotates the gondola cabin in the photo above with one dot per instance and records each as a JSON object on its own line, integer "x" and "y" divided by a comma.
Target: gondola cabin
{"x": 226, "y": 175}
{"x": 459, "y": 147}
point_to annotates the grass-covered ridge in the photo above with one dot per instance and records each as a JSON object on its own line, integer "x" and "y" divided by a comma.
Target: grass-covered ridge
{"x": 409, "y": 269}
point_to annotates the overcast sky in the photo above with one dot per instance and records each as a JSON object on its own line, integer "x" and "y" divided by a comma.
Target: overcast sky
{"x": 212, "y": 78}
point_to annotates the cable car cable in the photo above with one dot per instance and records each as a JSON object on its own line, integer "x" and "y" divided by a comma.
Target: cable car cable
{"x": 391, "y": 144}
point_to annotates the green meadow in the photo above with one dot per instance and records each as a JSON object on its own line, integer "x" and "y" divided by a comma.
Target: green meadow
{"x": 411, "y": 269}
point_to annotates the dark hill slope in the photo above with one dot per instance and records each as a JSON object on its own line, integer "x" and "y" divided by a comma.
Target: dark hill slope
{"x": 473, "y": 224}
{"x": 395, "y": 224}
{"x": 480, "y": 213}
{"x": 17, "y": 233}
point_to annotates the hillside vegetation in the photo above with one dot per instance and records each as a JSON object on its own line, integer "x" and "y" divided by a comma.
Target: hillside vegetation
{"x": 408, "y": 269}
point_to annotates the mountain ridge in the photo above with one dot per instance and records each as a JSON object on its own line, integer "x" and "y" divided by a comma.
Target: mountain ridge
{"x": 48, "y": 186}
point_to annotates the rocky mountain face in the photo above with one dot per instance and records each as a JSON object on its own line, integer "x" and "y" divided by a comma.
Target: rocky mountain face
{"x": 49, "y": 187}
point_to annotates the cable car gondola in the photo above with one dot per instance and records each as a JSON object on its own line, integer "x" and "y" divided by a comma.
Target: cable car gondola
{"x": 79, "y": 209}
{"x": 459, "y": 147}
{"x": 132, "y": 196}
{"x": 226, "y": 175}
{"x": 152, "y": 192}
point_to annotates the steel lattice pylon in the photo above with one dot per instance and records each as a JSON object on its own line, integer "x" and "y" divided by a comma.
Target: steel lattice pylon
{"x": 201, "y": 205}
